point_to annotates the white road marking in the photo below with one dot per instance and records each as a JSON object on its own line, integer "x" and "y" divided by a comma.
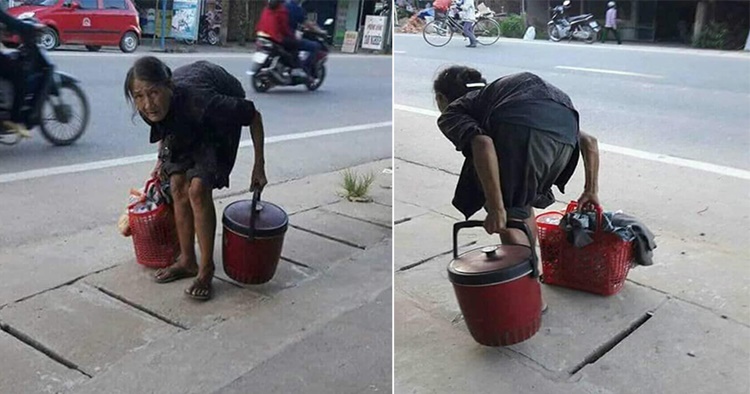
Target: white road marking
{"x": 397, "y": 52}
{"x": 600, "y": 71}
{"x": 122, "y": 161}
{"x": 610, "y": 47}
{"x": 657, "y": 157}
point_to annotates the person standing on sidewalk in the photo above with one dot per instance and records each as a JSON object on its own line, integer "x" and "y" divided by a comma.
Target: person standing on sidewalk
{"x": 196, "y": 115}
{"x": 520, "y": 135}
{"x": 469, "y": 17}
{"x": 610, "y": 23}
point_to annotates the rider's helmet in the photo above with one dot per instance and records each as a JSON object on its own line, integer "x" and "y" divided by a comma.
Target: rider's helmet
{"x": 611, "y": 4}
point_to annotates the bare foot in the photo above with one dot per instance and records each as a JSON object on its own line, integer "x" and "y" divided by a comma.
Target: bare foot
{"x": 201, "y": 288}
{"x": 180, "y": 270}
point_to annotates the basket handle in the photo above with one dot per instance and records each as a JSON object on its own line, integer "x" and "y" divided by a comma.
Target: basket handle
{"x": 519, "y": 225}
{"x": 573, "y": 206}
{"x": 149, "y": 182}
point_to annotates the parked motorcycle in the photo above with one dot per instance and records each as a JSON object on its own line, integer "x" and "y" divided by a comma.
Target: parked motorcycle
{"x": 582, "y": 27}
{"x": 49, "y": 102}
{"x": 206, "y": 33}
{"x": 271, "y": 63}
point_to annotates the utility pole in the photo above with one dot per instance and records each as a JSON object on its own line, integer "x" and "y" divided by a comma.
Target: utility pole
{"x": 163, "y": 23}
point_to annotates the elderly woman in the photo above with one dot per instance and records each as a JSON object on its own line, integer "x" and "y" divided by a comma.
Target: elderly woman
{"x": 520, "y": 136}
{"x": 196, "y": 115}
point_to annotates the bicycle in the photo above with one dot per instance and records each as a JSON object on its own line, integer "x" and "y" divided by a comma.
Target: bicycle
{"x": 486, "y": 29}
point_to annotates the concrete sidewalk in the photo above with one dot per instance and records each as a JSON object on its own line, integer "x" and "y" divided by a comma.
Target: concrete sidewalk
{"x": 680, "y": 326}
{"x": 93, "y": 321}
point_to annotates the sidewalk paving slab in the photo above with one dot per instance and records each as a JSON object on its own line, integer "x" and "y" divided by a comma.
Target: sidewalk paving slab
{"x": 314, "y": 251}
{"x": 26, "y": 370}
{"x": 681, "y": 349}
{"x": 313, "y": 191}
{"x": 369, "y": 212}
{"x": 200, "y": 361}
{"x": 298, "y": 368}
{"x": 55, "y": 262}
{"x": 85, "y": 326}
{"x": 420, "y": 141}
{"x": 404, "y": 211}
{"x": 430, "y": 235}
{"x": 424, "y": 186}
{"x": 292, "y": 196}
{"x": 575, "y": 325}
{"x": 135, "y": 284}
{"x": 434, "y": 357}
{"x": 688, "y": 271}
{"x": 355, "y": 232}
{"x": 287, "y": 276}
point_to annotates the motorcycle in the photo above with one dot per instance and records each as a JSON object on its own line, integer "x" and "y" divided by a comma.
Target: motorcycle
{"x": 582, "y": 27}
{"x": 271, "y": 63}
{"x": 206, "y": 33}
{"x": 48, "y": 102}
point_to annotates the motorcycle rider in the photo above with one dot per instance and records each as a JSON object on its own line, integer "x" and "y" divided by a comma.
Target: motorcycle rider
{"x": 274, "y": 25}
{"x": 297, "y": 22}
{"x": 15, "y": 70}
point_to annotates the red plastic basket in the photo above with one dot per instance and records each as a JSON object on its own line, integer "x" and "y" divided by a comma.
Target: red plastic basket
{"x": 154, "y": 235}
{"x": 599, "y": 268}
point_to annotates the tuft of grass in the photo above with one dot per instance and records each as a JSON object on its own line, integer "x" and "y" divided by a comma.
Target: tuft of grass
{"x": 357, "y": 186}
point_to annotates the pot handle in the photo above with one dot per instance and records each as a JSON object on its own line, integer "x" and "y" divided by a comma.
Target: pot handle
{"x": 459, "y": 226}
{"x": 253, "y": 214}
{"x": 509, "y": 224}
{"x": 523, "y": 227}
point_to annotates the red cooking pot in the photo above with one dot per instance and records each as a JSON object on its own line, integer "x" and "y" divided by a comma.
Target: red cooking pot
{"x": 497, "y": 289}
{"x": 252, "y": 240}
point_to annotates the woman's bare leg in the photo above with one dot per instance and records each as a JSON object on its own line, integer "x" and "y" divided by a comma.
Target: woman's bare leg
{"x": 513, "y": 236}
{"x": 202, "y": 203}
{"x": 183, "y": 215}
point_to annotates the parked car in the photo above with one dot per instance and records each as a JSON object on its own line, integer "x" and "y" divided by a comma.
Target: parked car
{"x": 93, "y": 23}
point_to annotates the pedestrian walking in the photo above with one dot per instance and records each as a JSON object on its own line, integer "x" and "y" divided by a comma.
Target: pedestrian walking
{"x": 468, "y": 16}
{"x": 610, "y": 23}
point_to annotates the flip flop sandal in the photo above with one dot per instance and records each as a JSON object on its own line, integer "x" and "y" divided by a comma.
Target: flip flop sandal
{"x": 197, "y": 286}
{"x": 171, "y": 274}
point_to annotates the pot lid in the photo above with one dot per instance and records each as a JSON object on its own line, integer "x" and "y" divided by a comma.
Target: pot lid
{"x": 270, "y": 219}
{"x": 491, "y": 265}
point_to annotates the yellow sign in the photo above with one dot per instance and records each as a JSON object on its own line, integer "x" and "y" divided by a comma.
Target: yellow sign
{"x": 350, "y": 42}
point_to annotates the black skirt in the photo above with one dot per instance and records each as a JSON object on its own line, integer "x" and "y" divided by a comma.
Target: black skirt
{"x": 530, "y": 162}
{"x": 210, "y": 160}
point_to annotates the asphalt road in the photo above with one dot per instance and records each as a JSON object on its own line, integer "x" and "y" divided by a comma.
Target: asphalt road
{"x": 682, "y": 103}
{"x": 351, "y": 95}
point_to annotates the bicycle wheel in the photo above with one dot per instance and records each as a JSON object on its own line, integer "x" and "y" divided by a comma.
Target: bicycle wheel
{"x": 437, "y": 33}
{"x": 487, "y": 31}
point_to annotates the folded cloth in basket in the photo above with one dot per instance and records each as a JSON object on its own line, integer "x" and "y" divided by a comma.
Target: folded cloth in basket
{"x": 579, "y": 226}
{"x": 631, "y": 229}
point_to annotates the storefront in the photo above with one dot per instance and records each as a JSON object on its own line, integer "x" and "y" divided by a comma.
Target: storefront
{"x": 643, "y": 20}
{"x": 348, "y": 15}
{"x": 187, "y": 11}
